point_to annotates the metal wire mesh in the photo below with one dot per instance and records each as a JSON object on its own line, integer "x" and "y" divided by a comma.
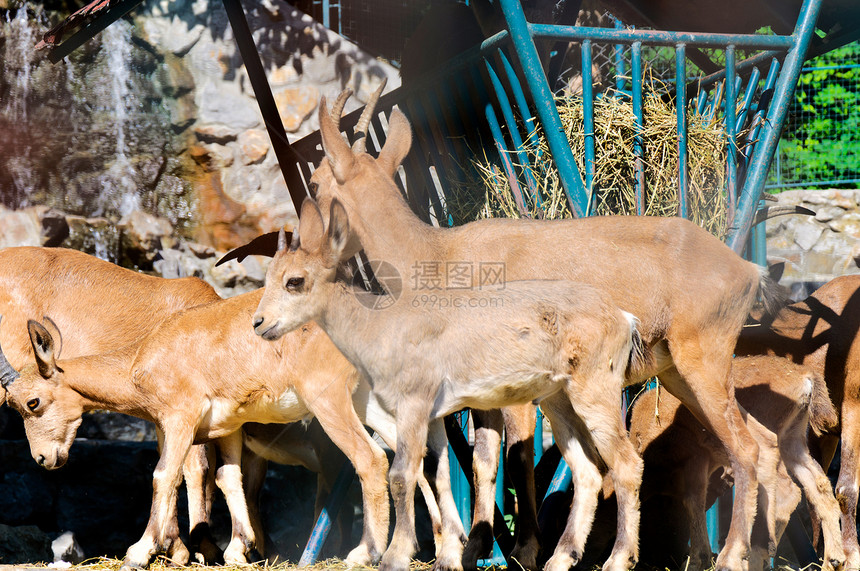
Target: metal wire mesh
{"x": 820, "y": 145}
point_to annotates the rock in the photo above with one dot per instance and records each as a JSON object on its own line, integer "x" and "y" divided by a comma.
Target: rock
{"x": 142, "y": 236}
{"x": 95, "y": 236}
{"x": 66, "y": 549}
{"x": 25, "y": 544}
{"x": 104, "y": 425}
{"x": 227, "y": 108}
{"x": 254, "y": 144}
{"x": 55, "y": 228}
{"x": 806, "y": 234}
{"x": 295, "y": 104}
{"x": 20, "y": 228}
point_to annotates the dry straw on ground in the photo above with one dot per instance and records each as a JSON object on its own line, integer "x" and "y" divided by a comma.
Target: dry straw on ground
{"x": 490, "y": 195}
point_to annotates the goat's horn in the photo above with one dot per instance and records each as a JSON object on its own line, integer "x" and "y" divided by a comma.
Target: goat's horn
{"x": 769, "y": 212}
{"x": 7, "y": 372}
{"x": 339, "y": 104}
{"x": 282, "y": 240}
{"x": 363, "y": 124}
{"x": 294, "y": 243}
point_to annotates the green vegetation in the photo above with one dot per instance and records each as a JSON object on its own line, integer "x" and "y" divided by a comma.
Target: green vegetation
{"x": 821, "y": 140}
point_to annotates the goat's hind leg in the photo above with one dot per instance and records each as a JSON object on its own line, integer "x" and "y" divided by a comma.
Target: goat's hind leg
{"x": 161, "y": 533}
{"x": 228, "y": 477}
{"x": 449, "y": 556}
{"x": 847, "y": 485}
{"x": 811, "y": 477}
{"x": 571, "y": 435}
{"x": 485, "y": 467}
{"x": 199, "y": 474}
{"x": 597, "y": 403}
{"x": 520, "y": 453}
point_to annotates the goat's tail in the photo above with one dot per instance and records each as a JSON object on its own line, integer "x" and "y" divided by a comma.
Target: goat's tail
{"x": 773, "y": 296}
{"x": 822, "y": 413}
{"x": 636, "y": 356}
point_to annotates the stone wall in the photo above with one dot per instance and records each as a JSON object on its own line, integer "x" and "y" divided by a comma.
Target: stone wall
{"x": 816, "y": 248}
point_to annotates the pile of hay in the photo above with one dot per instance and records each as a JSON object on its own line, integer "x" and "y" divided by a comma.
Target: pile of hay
{"x": 490, "y": 195}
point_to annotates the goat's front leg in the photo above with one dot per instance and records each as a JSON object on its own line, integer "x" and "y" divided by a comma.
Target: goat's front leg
{"x": 228, "y": 477}
{"x": 449, "y": 555}
{"x": 161, "y": 534}
{"x": 336, "y": 414}
{"x": 412, "y": 426}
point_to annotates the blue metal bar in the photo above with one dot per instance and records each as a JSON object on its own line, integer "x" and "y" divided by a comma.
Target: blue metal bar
{"x": 545, "y": 106}
{"x": 322, "y": 527}
{"x": 588, "y": 125}
{"x": 681, "y": 109}
{"x": 740, "y": 67}
{"x": 520, "y": 97}
{"x": 657, "y": 37}
{"x": 752, "y": 85}
{"x": 758, "y": 118}
{"x": 766, "y": 147}
{"x": 702, "y": 101}
{"x": 516, "y": 138}
{"x": 459, "y": 483}
{"x": 505, "y": 158}
{"x": 712, "y": 519}
{"x": 638, "y": 146}
{"x": 620, "y": 64}
{"x": 731, "y": 116}
{"x": 716, "y": 100}
{"x": 538, "y": 445}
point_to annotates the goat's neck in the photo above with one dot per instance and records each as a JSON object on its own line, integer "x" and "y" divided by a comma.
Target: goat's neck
{"x": 389, "y": 230}
{"x": 104, "y": 382}
{"x": 352, "y": 326}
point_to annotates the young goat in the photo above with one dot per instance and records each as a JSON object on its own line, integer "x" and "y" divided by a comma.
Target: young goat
{"x": 782, "y": 399}
{"x": 553, "y": 341}
{"x": 199, "y": 376}
{"x": 821, "y": 332}
{"x": 108, "y": 307}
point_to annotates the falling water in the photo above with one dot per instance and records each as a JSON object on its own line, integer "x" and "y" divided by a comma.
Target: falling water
{"x": 119, "y": 190}
{"x": 19, "y": 62}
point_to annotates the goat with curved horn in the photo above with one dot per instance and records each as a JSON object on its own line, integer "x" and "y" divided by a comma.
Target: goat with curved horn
{"x": 7, "y": 371}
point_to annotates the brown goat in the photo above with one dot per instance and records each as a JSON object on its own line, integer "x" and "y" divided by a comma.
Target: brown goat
{"x": 199, "y": 376}
{"x": 821, "y": 332}
{"x": 108, "y": 307}
{"x": 781, "y": 399}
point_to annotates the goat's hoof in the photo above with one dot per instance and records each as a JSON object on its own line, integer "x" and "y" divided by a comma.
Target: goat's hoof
{"x": 447, "y": 563}
{"x": 525, "y": 555}
{"x": 131, "y": 565}
{"x": 360, "y": 556}
{"x": 208, "y": 553}
{"x": 562, "y": 561}
{"x": 392, "y": 564}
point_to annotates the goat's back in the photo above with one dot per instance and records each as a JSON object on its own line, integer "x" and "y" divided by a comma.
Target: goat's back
{"x": 99, "y": 305}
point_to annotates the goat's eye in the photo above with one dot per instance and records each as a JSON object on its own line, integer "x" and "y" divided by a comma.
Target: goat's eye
{"x": 33, "y": 404}
{"x": 313, "y": 188}
{"x": 295, "y": 283}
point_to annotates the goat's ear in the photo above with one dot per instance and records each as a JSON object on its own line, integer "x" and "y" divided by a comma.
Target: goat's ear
{"x": 398, "y": 143}
{"x": 43, "y": 348}
{"x": 311, "y": 227}
{"x": 336, "y": 148}
{"x": 338, "y": 230}
{"x": 54, "y": 330}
